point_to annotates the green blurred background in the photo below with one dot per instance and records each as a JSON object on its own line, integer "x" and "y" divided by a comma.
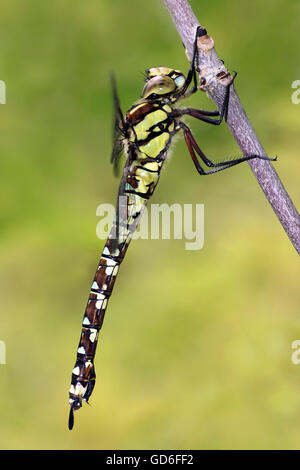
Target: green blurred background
{"x": 195, "y": 351}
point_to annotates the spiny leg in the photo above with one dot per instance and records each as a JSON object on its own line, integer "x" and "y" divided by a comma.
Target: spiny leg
{"x": 201, "y": 114}
{"x": 200, "y": 31}
{"x": 194, "y": 147}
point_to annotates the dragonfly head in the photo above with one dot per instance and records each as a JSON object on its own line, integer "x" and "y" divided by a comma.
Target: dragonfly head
{"x": 163, "y": 82}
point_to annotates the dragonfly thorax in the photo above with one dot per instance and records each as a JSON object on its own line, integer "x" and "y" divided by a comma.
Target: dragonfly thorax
{"x": 163, "y": 82}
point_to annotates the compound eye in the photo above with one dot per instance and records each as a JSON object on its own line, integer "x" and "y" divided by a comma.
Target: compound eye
{"x": 179, "y": 81}
{"x": 159, "y": 85}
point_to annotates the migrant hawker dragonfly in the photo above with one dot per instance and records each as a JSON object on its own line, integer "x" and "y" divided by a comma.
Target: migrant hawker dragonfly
{"x": 144, "y": 134}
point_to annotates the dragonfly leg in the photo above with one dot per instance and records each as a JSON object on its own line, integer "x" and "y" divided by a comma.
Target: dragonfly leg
{"x": 194, "y": 147}
{"x": 191, "y": 76}
{"x": 202, "y": 115}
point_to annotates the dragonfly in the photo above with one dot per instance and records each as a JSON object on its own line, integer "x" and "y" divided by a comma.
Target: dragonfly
{"x": 144, "y": 134}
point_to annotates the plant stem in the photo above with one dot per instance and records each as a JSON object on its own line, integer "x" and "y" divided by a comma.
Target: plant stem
{"x": 209, "y": 65}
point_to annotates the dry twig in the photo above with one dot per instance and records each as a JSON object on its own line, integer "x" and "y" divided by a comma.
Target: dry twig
{"x": 211, "y": 70}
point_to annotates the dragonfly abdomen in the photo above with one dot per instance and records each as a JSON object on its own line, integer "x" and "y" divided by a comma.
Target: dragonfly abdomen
{"x": 83, "y": 374}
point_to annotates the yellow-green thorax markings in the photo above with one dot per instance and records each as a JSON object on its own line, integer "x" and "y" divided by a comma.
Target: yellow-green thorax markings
{"x": 151, "y": 125}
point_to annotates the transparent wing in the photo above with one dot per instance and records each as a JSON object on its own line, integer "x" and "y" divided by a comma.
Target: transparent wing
{"x": 119, "y": 131}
